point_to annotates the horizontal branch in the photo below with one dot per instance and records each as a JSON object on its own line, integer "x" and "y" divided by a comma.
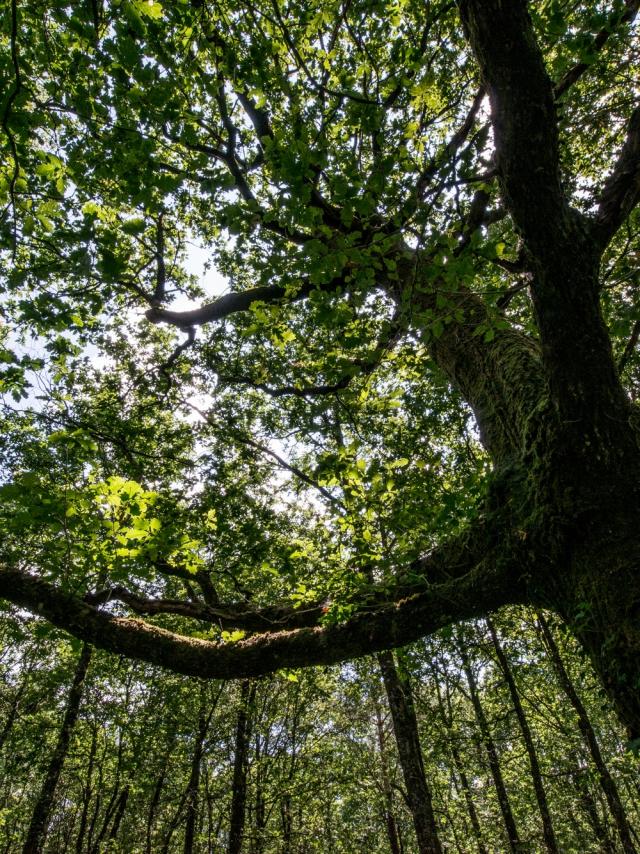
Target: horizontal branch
{"x": 392, "y": 625}
{"x": 226, "y": 616}
{"x": 470, "y": 579}
{"x": 238, "y": 301}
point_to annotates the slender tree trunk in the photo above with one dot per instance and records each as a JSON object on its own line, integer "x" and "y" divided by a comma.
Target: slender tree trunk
{"x": 112, "y": 803}
{"x": 405, "y": 727}
{"x": 389, "y": 817}
{"x": 492, "y": 755}
{"x": 37, "y": 832}
{"x": 287, "y": 823}
{"x": 260, "y": 810}
{"x": 108, "y": 814}
{"x": 98, "y": 803}
{"x": 446, "y": 715}
{"x": 13, "y": 711}
{"x": 120, "y": 811}
{"x": 584, "y": 724}
{"x": 155, "y": 800}
{"x": 471, "y": 807}
{"x": 94, "y": 818}
{"x": 240, "y": 763}
{"x": 194, "y": 778}
{"x": 591, "y": 810}
{"x": 87, "y": 791}
{"x": 536, "y": 774}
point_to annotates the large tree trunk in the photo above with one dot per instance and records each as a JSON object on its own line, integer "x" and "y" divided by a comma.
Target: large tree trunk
{"x": 584, "y": 724}
{"x": 37, "y": 832}
{"x": 536, "y": 774}
{"x": 559, "y": 528}
{"x": 578, "y": 500}
{"x": 405, "y": 728}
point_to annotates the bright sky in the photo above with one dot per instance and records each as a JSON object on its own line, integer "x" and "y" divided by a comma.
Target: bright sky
{"x": 210, "y": 279}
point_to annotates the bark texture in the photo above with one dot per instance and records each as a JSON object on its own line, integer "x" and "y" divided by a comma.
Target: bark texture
{"x": 405, "y": 728}
{"x": 37, "y": 832}
{"x": 527, "y": 736}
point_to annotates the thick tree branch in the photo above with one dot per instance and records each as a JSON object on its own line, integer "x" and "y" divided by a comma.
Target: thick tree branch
{"x": 621, "y": 192}
{"x": 237, "y": 302}
{"x": 522, "y": 113}
{"x": 487, "y": 585}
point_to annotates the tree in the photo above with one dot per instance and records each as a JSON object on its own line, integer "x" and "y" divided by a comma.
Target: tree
{"x": 320, "y": 763}
{"x": 424, "y": 212}
{"x": 42, "y": 810}
{"x": 405, "y": 728}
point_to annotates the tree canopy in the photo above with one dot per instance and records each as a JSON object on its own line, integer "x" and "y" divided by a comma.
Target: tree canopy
{"x": 413, "y": 404}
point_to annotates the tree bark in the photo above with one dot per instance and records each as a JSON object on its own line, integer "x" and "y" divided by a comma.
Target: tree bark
{"x": 387, "y": 792}
{"x": 492, "y": 756}
{"x": 37, "y": 832}
{"x": 607, "y": 782}
{"x": 536, "y": 774}
{"x": 240, "y": 766}
{"x": 552, "y": 413}
{"x": 194, "y": 778}
{"x": 581, "y": 445}
{"x": 405, "y": 728}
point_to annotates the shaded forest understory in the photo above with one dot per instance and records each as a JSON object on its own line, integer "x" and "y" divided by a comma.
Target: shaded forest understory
{"x": 519, "y": 749}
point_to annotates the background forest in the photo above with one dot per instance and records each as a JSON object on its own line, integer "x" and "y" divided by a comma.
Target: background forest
{"x": 511, "y": 725}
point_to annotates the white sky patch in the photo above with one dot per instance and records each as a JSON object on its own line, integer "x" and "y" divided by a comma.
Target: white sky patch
{"x": 199, "y": 263}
